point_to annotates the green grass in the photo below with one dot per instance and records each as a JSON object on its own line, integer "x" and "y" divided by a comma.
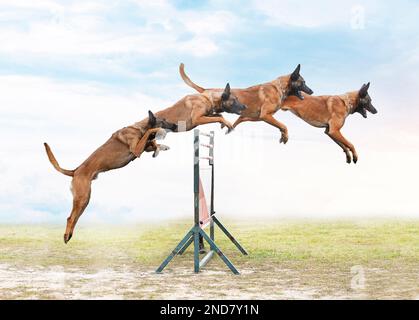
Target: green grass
{"x": 357, "y": 242}
{"x": 302, "y": 254}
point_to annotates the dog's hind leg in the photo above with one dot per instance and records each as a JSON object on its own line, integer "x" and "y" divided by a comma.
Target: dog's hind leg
{"x": 81, "y": 188}
{"x": 212, "y": 119}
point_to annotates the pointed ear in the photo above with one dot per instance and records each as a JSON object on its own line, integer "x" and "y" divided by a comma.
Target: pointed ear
{"x": 151, "y": 119}
{"x": 296, "y": 73}
{"x": 364, "y": 90}
{"x": 226, "y": 93}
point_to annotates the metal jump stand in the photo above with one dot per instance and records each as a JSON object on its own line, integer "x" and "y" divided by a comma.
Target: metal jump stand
{"x": 201, "y": 217}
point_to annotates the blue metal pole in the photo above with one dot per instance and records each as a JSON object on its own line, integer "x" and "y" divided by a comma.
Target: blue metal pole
{"x": 196, "y": 201}
{"x": 229, "y": 235}
{"x": 175, "y": 251}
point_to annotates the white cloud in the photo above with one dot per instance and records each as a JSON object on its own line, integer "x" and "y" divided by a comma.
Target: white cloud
{"x": 314, "y": 14}
{"x": 302, "y": 14}
{"x": 82, "y": 29}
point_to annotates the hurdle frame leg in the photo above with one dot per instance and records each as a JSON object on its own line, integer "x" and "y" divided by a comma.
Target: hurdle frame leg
{"x": 196, "y": 249}
{"x": 196, "y": 234}
{"x": 229, "y": 235}
{"x": 217, "y": 250}
{"x": 176, "y": 250}
{"x": 186, "y": 246}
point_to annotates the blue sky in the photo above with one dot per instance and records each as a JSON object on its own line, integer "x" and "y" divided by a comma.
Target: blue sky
{"x": 128, "y": 43}
{"x": 75, "y": 71}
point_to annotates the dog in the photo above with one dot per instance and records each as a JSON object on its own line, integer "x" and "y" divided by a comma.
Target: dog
{"x": 330, "y": 112}
{"x": 262, "y": 100}
{"x": 197, "y": 109}
{"x": 115, "y": 153}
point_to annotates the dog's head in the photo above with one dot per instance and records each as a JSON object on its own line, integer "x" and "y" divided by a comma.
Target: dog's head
{"x": 298, "y": 84}
{"x": 230, "y": 103}
{"x": 156, "y": 122}
{"x": 364, "y": 101}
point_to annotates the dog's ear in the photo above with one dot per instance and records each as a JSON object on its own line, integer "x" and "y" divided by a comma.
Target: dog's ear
{"x": 151, "y": 119}
{"x": 226, "y": 93}
{"x": 296, "y": 73}
{"x": 364, "y": 90}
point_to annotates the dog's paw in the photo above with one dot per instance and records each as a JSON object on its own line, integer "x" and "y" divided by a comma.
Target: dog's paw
{"x": 229, "y": 130}
{"x": 156, "y": 153}
{"x": 164, "y": 147}
{"x": 284, "y": 138}
{"x": 161, "y": 134}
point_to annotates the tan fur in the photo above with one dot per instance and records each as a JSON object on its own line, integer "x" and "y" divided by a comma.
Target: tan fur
{"x": 328, "y": 112}
{"x": 262, "y": 100}
{"x": 194, "y": 110}
{"x": 114, "y": 153}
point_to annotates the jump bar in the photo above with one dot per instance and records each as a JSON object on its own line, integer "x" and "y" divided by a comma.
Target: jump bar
{"x": 205, "y": 134}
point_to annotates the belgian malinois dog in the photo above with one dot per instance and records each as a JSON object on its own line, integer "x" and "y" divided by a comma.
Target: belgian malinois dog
{"x": 262, "y": 100}
{"x": 197, "y": 109}
{"x": 115, "y": 153}
{"x": 194, "y": 110}
{"x": 330, "y": 112}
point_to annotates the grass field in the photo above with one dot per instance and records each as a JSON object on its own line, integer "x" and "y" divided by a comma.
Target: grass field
{"x": 287, "y": 260}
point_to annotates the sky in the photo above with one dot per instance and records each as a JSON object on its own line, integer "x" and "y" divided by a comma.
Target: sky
{"x": 73, "y": 72}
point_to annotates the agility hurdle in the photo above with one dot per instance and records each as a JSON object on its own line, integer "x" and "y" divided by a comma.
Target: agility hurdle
{"x": 202, "y": 217}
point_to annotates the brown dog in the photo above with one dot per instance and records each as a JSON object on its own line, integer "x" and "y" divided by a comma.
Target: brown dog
{"x": 262, "y": 100}
{"x": 330, "y": 112}
{"x": 115, "y": 153}
{"x": 197, "y": 109}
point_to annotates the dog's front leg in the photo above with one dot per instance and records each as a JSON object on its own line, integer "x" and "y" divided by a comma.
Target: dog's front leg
{"x": 340, "y": 144}
{"x": 336, "y": 135}
{"x": 268, "y": 118}
{"x": 213, "y": 119}
{"x": 138, "y": 149}
{"x": 154, "y": 146}
{"x": 243, "y": 119}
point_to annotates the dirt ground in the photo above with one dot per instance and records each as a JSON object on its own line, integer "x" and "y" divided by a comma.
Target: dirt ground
{"x": 287, "y": 261}
{"x": 56, "y": 282}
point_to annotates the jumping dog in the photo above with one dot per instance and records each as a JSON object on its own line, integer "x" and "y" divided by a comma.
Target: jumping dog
{"x": 330, "y": 112}
{"x": 194, "y": 110}
{"x": 197, "y": 109}
{"x": 262, "y": 100}
{"x": 115, "y": 153}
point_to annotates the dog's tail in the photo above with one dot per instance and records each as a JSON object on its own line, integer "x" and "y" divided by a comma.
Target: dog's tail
{"x": 55, "y": 163}
{"x": 189, "y": 81}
